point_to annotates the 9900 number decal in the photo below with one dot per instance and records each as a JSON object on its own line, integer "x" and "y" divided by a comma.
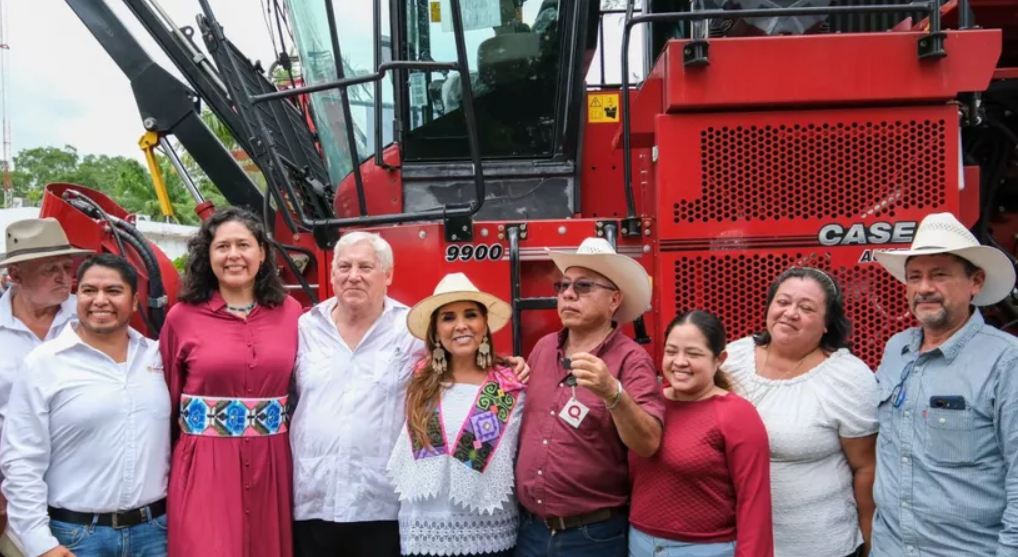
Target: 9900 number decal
{"x": 470, "y": 252}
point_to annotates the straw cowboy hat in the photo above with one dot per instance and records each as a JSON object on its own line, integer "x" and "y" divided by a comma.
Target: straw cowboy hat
{"x": 456, "y": 287}
{"x": 624, "y": 272}
{"x": 942, "y": 233}
{"x": 36, "y": 239}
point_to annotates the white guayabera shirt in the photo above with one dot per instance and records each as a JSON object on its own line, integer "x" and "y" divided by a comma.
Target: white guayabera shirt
{"x": 16, "y": 341}
{"x": 350, "y": 410}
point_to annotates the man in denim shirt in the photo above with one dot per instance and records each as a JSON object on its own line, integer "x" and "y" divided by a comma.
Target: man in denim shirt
{"x": 947, "y": 453}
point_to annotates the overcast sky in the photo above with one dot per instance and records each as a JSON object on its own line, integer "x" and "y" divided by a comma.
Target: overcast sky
{"x": 63, "y": 89}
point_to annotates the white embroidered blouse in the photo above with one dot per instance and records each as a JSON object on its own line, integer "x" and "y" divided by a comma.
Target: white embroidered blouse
{"x": 448, "y": 506}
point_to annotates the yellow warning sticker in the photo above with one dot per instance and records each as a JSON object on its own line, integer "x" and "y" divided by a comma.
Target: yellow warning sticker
{"x": 603, "y": 108}
{"x": 436, "y": 12}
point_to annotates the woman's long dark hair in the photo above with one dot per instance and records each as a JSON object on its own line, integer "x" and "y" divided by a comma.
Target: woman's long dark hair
{"x": 200, "y": 281}
{"x": 425, "y": 388}
{"x": 838, "y": 326}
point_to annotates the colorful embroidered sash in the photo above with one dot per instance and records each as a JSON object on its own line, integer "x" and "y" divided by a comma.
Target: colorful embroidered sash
{"x": 484, "y": 427}
{"x": 232, "y": 417}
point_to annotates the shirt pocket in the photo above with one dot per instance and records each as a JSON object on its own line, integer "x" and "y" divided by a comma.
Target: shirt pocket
{"x": 952, "y": 439}
{"x": 313, "y": 367}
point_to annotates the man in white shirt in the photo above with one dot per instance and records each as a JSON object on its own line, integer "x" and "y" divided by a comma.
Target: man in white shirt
{"x": 85, "y": 453}
{"x": 36, "y": 306}
{"x": 353, "y": 365}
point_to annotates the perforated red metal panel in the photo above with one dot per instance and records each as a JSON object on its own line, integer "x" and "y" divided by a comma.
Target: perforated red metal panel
{"x": 734, "y": 287}
{"x": 742, "y": 173}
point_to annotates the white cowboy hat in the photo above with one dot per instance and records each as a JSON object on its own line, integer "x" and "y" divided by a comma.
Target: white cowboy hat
{"x": 624, "y": 272}
{"x": 942, "y": 233}
{"x": 36, "y": 239}
{"x": 456, "y": 287}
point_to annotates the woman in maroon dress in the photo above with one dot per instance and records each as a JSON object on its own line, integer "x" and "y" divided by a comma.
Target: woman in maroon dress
{"x": 228, "y": 353}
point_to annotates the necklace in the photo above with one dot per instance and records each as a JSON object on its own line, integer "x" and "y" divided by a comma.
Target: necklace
{"x": 767, "y": 357}
{"x": 242, "y": 309}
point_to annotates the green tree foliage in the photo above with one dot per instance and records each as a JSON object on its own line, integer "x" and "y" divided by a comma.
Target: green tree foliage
{"x": 123, "y": 179}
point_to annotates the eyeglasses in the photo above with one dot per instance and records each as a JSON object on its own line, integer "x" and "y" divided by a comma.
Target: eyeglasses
{"x": 900, "y": 390}
{"x": 581, "y": 286}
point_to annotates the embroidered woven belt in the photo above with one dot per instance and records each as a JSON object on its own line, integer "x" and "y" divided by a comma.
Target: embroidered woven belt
{"x": 232, "y": 417}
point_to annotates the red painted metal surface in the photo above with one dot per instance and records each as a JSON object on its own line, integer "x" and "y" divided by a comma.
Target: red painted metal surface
{"x": 733, "y": 177}
{"x": 86, "y": 233}
{"x": 863, "y": 68}
{"x": 601, "y": 191}
{"x": 383, "y": 188}
{"x": 733, "y": 285}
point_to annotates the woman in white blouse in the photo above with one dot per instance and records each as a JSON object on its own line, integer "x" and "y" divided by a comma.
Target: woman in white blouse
{"x": 453, "y": 466}
{"x": 819, "y": 405}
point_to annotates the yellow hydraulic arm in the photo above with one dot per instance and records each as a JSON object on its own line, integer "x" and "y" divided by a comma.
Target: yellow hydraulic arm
{"x": 148, "y": 143}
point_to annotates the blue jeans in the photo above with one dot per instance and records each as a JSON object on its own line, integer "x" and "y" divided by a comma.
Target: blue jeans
{"x": 143, "y": 540}
{"x": 601, "y": 539}
{"x": 645, "y": 545}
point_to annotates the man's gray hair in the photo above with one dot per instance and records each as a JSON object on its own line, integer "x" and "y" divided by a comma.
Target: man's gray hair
{"x": 382, "y": 248}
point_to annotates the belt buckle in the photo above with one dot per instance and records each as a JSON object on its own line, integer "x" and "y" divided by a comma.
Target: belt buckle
{"x": 115, "y": 523}
{"x": 556, "y": 523}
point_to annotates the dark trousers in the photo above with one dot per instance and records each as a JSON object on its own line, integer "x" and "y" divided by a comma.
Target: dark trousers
{"x": 608, "y": 538}
{"x": 318, "y": 538}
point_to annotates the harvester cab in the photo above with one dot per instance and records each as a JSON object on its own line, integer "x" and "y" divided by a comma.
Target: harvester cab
{"x": 717, "y": 143}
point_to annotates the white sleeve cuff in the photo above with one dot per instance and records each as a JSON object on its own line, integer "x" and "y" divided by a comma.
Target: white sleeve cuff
{"x": 38, "y": 541}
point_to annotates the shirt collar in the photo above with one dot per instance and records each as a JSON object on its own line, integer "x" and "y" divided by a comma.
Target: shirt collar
{"x": 563, "y": 335}
{"x": 68, "y": 338}
{"x": 67, "y": 311}
{"x": 953, "y": 345}
{"x": 216, "y": 301}
{"x": 323, "y": 311}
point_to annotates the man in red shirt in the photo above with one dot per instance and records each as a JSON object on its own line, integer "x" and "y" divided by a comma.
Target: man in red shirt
{"x": 593, "y": 395}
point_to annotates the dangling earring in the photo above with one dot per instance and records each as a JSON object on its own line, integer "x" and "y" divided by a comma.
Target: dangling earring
{"x": 438, "y": 363}
{"x": 484, "y": 354}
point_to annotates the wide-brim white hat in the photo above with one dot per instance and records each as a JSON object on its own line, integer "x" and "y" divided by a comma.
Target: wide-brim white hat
{"x": 456, "y": 287}
{"x": 943, "y": 233}
{"x": 623, "y": 271}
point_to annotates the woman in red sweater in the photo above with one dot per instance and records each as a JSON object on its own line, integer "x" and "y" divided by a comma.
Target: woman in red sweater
{"x": 706, "y": 492}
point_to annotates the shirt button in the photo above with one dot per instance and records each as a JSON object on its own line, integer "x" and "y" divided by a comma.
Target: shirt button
{"x": 247, "y": 463}
{"x": 904, "y": 459}
{"x": 561, "y": 385}
{"x": 904, "y": 504}
{"x": 540, "y": 473}
{"x": 545, "y": 441}
{"x": 907, "y": 413}
{"x": 539, "y": 502}
{"x": 247, "y": 440}
{"x": 249, "y": 390}
{"x": 943, "y": 421}
{"x": 552, "y": 412}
